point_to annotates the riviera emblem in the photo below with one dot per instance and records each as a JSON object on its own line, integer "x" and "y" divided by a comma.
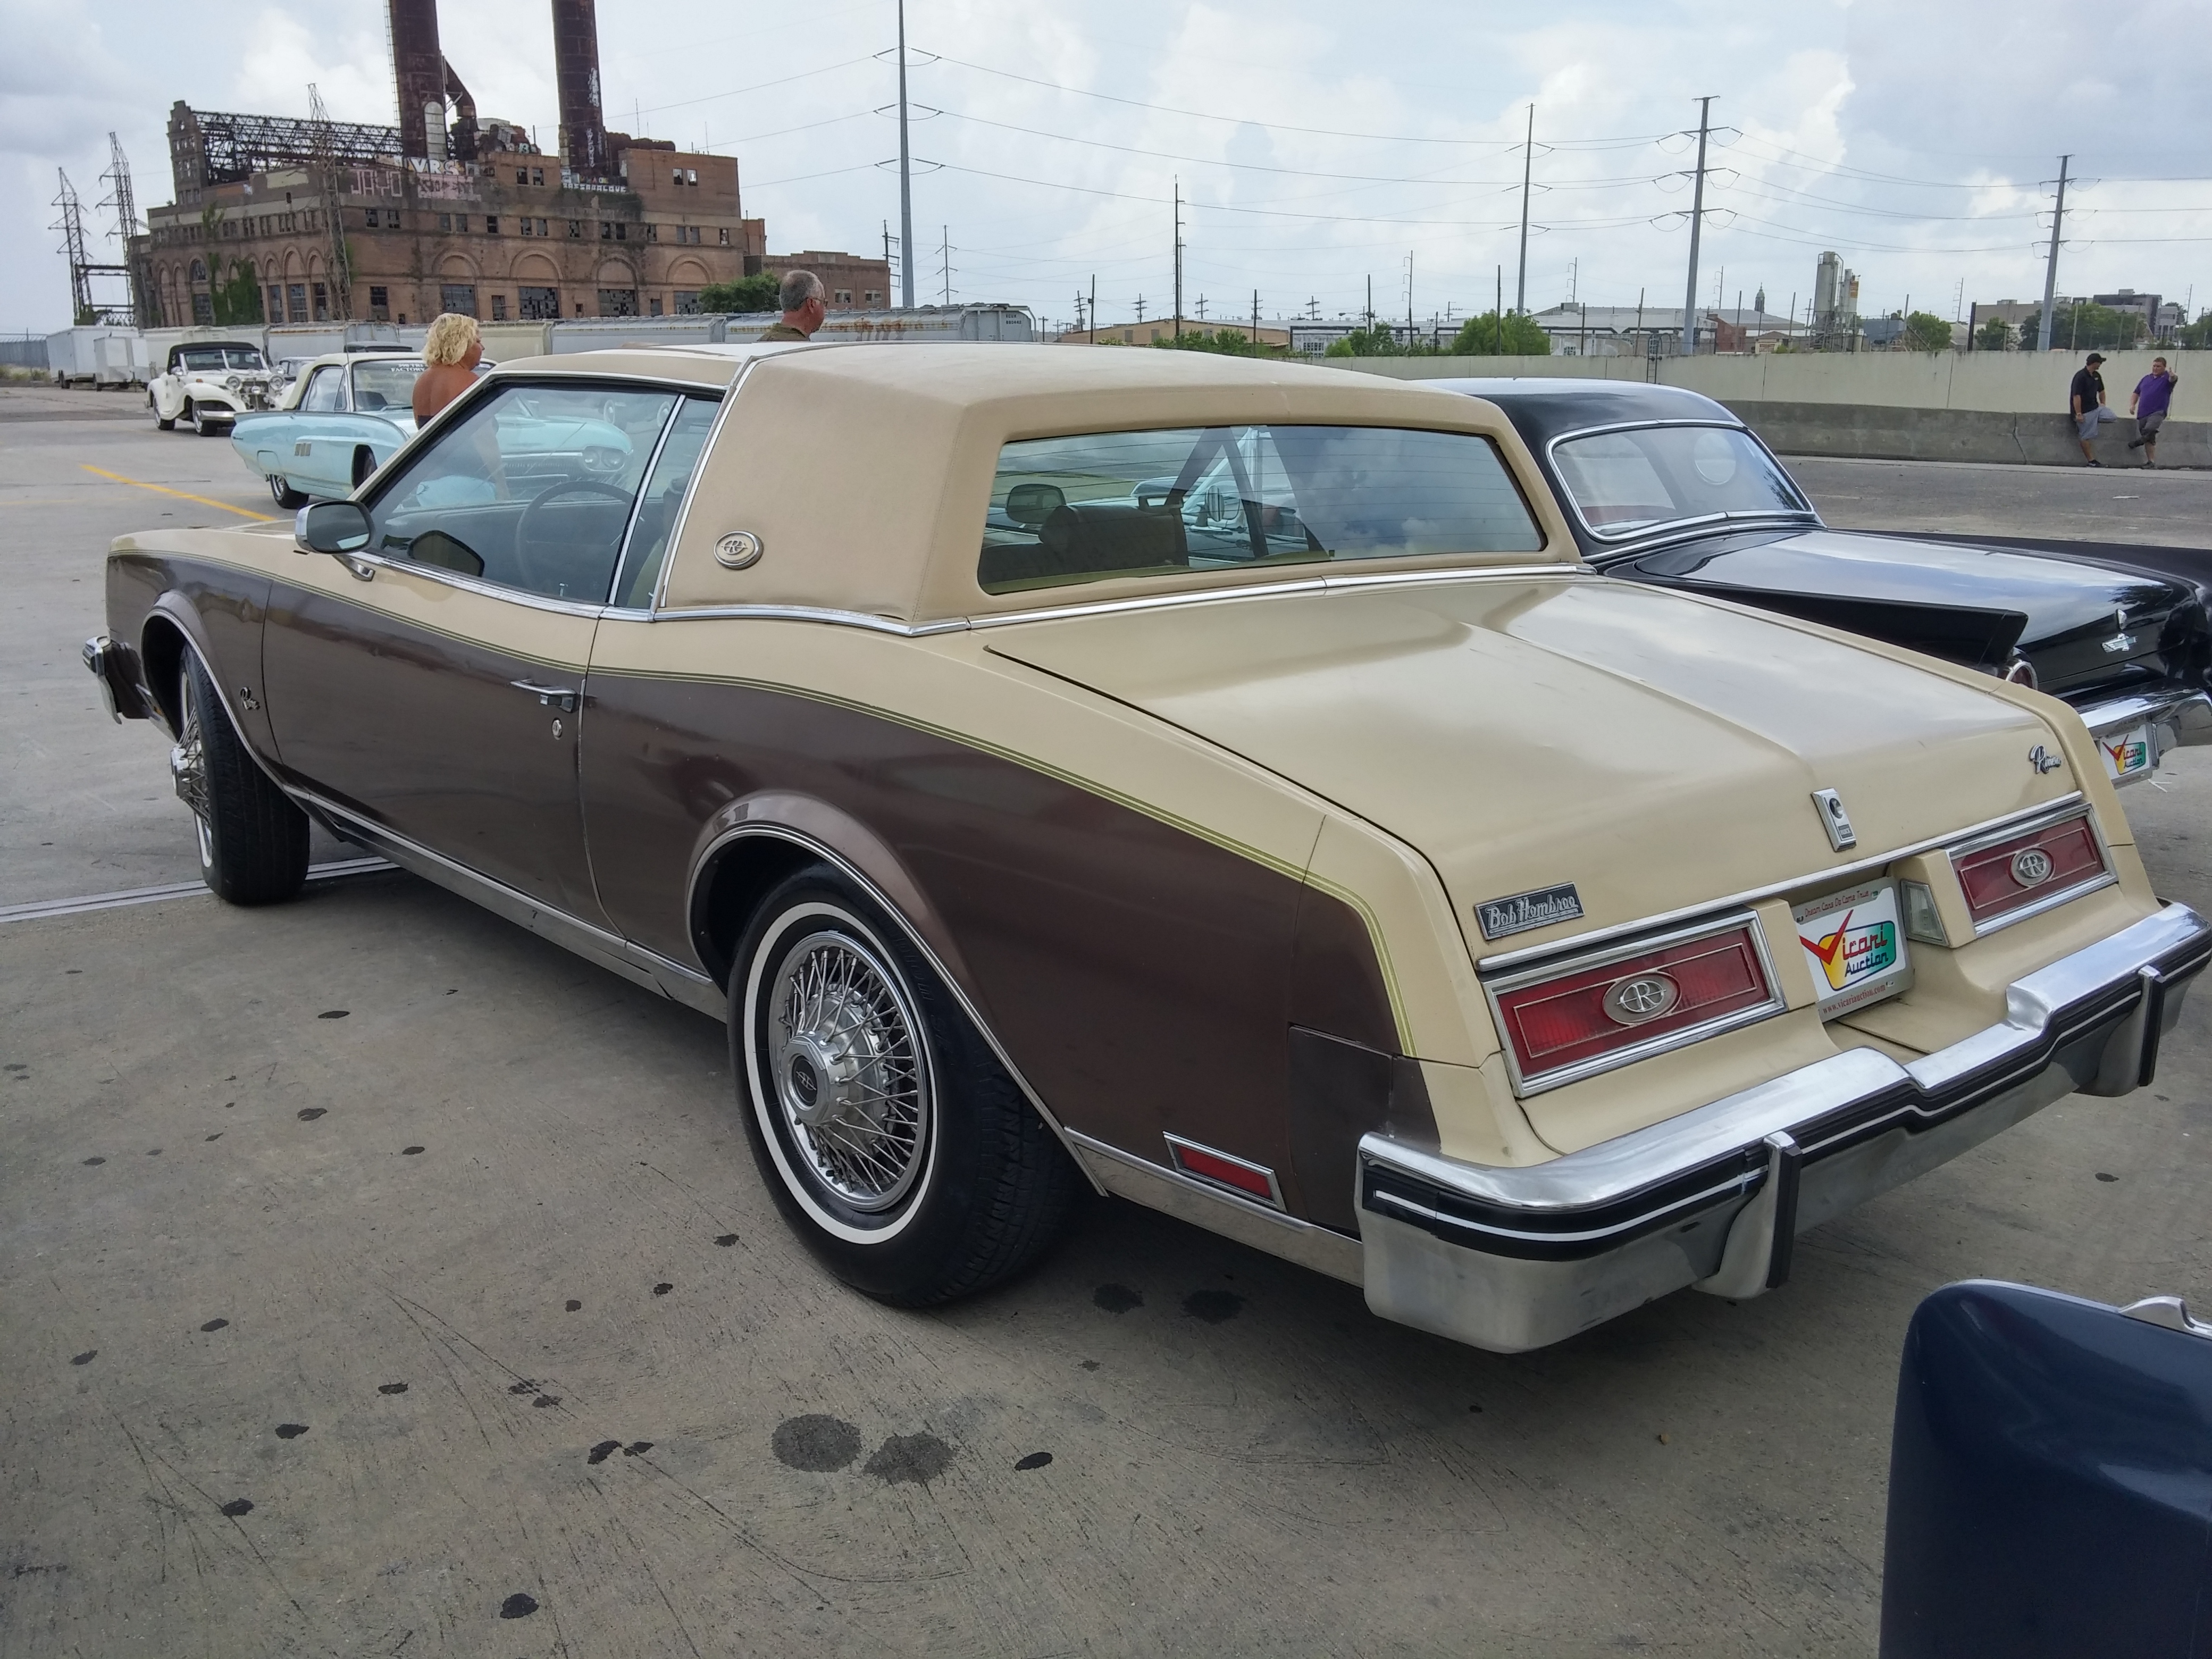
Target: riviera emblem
{"x": 2031, "y": 867}
{"x": 1647, "y": 996}
{"x": 2042, "y": 760}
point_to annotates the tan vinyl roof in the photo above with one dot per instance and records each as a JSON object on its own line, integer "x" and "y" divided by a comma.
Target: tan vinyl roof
{"x": 865, "y": 471}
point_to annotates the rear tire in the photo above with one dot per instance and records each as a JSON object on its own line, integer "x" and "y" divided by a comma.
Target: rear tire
{"x": 893, "y": 1140}
{"x": 253, "y": 841}
{"x": 286, "y": 496}
{"x": 364, "y": 464}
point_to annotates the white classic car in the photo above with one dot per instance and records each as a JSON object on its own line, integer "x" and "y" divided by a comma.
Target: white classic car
{"x": 207, "y": 383}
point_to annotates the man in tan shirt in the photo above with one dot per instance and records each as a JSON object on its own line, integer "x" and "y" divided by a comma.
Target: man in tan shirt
{"x": 804, "y": 303}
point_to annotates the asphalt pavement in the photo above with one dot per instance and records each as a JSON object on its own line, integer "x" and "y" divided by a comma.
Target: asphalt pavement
{"x": 379, "y": 1279}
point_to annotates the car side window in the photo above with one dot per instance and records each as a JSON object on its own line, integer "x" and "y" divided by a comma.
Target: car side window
{"x": 326, "y": 391}
{"x": 663, "y": 499}
{"x": 532, "y": 489}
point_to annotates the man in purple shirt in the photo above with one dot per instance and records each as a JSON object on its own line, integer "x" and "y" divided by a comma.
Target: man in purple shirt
{"x": 2152, "y": 396}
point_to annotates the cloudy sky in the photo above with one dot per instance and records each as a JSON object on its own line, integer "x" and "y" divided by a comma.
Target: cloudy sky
{"x": 1318, "y": 147}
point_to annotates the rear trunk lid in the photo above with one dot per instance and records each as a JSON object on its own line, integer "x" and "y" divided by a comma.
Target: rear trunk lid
{"x": 1657, "y": 751}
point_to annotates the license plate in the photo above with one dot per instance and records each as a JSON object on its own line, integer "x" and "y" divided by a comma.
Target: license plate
{"x": 2127, "y": 753}
{"x": 1854, "y": 943}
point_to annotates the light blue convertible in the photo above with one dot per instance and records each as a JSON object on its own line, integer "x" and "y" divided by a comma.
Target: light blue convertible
{"x": 347, "y": 416}
{"x": 344, "y": 417}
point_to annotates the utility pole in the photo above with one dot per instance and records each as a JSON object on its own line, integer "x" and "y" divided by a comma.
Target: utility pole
{"x": 945, "y": 258}
{"x": 1255, "y": 318}
{"x": 1497, "y": 319}
{"x": 1697, "y": 223}
{"x": 905, "y": 178}
{"x": 1640, "y": 351}
{"x": 1093, "y": 312}
{"x": 1409, "y": 293}
{"x": 1178, "y": 257}
{"x": 1370, "y": 302}
{"x": 1528, "y": 167}
{"x": 2051, "y": 269}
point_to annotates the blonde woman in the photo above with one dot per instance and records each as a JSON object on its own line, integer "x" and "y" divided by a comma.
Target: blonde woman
{"x": 452, "y": 351}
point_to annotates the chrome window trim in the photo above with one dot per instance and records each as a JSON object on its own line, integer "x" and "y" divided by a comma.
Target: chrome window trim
{"x": 637, "y": 502}
{"x": 1837, "y": 875}
{"x": 1309, "y": 585}
{"x": 1559, "y": 1077}
{"x": 808, "y": 613}
{"x": 691, "y": 493}
{"x": 1669, "y": 527}
{"x": 2105, "y": 877}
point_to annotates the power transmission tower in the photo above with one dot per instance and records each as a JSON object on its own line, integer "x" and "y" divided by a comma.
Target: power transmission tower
{"x": 2051, "y": 269}
{"x": 1528, "y": 168}
{"x": 944, "y": 261}
{"x": 1697, "y": 223}
{"x": 82, "y": 306}
{"x": 119, "y": 197}
{"x": 326, "y": 180}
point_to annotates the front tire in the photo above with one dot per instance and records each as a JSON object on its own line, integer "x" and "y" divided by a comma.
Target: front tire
{"x": 159, "y": 425}
{"x": 209, "y": 426}
{"x": 253, "y": 841}
{"x": 894, "y": 1142}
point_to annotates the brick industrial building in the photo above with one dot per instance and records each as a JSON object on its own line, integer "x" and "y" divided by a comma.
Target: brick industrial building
{"x": 311, "y": 220}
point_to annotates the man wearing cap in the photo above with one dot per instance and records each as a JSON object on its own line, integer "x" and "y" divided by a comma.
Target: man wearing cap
{"x": 2086, "y": 401}
{"x": 804, "y": 302}
{"x": 2152, "y": 397}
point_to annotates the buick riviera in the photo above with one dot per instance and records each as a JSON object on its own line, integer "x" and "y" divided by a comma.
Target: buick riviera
{"x": 1222, "y": 784}
{"x": 1662, "y": 485}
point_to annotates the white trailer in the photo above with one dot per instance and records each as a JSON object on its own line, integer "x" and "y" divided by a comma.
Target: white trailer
{"x": 97, "y": 356}
{"x": 975, "y": 322}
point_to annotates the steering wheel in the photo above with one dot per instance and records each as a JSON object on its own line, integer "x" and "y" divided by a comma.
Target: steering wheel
{"x": 525, "y": 557}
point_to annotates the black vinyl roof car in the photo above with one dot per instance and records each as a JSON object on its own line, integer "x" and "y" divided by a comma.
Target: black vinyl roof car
{"x": 1662, "y": 485}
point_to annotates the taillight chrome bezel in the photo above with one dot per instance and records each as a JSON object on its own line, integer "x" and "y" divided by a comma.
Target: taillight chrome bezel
{"x": 1573, "y": 964}
{"x": 2104, "y": 877}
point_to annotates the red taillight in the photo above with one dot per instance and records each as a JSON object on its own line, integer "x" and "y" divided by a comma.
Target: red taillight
{"x": 2011, "y": 874}
{"x": 1584, "y": 1014}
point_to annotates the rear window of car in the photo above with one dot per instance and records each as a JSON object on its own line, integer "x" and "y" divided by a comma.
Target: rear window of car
{"x": 1167, "y": 502}
{"x": 386, "y": 383}
{"x": 1630, "y": 481}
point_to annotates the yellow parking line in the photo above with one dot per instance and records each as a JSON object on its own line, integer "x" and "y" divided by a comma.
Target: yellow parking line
{"x": 181, "y": 494}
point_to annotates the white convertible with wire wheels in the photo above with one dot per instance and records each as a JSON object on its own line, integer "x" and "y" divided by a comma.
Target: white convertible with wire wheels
{"x": 208, "y": 384}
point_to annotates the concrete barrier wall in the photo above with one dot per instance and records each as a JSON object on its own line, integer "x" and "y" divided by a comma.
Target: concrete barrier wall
{"x": 1981, "y": 406}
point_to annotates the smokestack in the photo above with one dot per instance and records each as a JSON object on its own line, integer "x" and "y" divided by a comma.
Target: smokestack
{"x": 420, "y": 68}
{"x": 576, "y": 73}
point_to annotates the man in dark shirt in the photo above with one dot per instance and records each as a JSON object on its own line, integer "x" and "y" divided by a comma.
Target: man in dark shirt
{"x": 2085, "y": 401}
{"x": 804, "y": 302}
{"x": 2152, "y": 397}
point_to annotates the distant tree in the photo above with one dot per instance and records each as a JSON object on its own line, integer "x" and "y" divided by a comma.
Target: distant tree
{"x": 2083, "y": 326}
{"x": 746, "y": 293}
{"x": 1926, "y": 331}
{"x": 238, "y": 299}
{"x": 1227, "y": 343}
{"x": 1516, "y": 336}
{"x": 1992, "y": 336}
{"x": 1374, "y": 341}
{"x": 2196, "y": 336}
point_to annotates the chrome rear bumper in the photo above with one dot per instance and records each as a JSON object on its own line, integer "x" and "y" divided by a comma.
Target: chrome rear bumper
{"x": 2177, "y": 718}
{"x": 1511, "y": 1258}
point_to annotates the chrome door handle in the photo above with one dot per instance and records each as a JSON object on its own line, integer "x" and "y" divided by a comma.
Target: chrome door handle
{"x": 548, "y": 696}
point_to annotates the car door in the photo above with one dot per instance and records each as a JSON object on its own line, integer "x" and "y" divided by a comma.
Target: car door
{"x": 433, "y": 690}
{"x": 319, "y": 460}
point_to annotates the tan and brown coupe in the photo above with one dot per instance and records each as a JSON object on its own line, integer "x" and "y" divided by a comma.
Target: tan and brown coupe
{"x": 1219, "y": 783}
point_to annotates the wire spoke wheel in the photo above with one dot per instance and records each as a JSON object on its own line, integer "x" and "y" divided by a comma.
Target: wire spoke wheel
{"x": 850, "y": 1079}
{"x": 188, "y": 765}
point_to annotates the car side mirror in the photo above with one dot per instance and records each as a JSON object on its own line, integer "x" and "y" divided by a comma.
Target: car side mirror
{"x": 340, "y": 529}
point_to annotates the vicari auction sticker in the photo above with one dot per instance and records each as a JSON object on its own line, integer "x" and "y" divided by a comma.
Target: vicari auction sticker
{"x": 1854, "y": 942}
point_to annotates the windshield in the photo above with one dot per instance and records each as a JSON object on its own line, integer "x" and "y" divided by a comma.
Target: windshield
{"x": 1623, "y": 483}
{"x": 1107, "y": 504}
{"x": 385, "y": 383}
{"x": 217, "y": 359}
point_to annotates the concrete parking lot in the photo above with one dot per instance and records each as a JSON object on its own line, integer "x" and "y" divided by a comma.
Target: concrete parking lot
{"x": 379, "y": 1279}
